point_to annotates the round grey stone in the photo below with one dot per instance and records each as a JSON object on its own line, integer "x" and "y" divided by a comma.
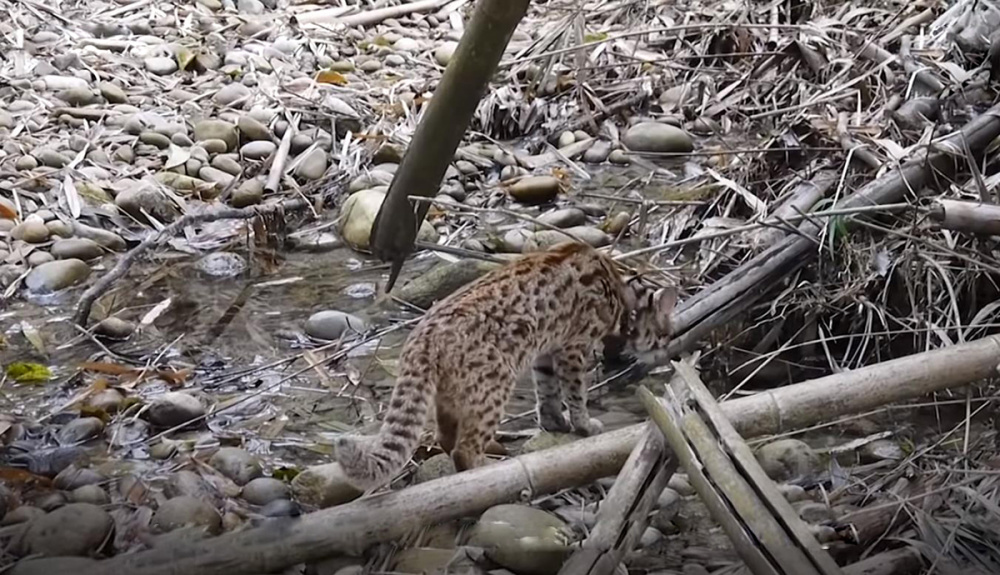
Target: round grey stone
{"x": 333, "y": 324}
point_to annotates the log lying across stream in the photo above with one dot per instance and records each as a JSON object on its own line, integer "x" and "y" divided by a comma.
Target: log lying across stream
{"x": 350, "y": 528}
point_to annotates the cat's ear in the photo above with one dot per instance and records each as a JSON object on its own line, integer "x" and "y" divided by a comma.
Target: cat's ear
{"x": 664, "y": 301}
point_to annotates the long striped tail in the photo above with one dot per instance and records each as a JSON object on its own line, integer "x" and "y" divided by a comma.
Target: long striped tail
{"x": 372, "y": 461}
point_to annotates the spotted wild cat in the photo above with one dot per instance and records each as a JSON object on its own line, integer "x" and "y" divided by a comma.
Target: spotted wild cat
{"x": 551, "y": 309}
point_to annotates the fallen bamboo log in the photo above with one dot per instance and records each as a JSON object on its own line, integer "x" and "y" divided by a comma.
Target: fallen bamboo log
{"x": 968, "y": 217}
{"x": 927, "y": 169}
{"x": 354, "y": 526}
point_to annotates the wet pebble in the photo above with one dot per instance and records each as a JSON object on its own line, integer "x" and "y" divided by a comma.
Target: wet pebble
{"x": 264, "y": 490}
{"x": 312, "y": 166}
{"x": 32, "y": 231}
{"x": 73, "y": 477}
{"x": 657, "y": 137}
{"x": 564, "y": 217}
{"x": 230, "y": 94}
{"x": 249, "y": 193}
{"x": 258, "y": 150}
{"x": 535, "y": 189}
{"x": 161, "y": 65}
{"x": 787, "y": 460}
{"x": 253, "y": 130}
{"x": 155, "y": 139}
{"x": 54, "y": 276}
{"x": 186, "y": 511}
{"x": 598, "y": 152}
{"x": 445, "y": 52}
{"x": 525, "y": 540}
{"x": 357, "y": 215}
{"x": 333, "y": 324}
{"x": 545, "y": 239}
{"x": 80, "y": 429}
{"x": 112, "y": 93}
{"x": 619, "y": 157}
{"x": 76, "y": 529}
{"x": 547, "y": 440}
{"x": 441, "y": 280}
{"x": 21, "y": 514}
{"x": 39, "y": 257}
{"x": 134, "y": 201}
{"x": 222, "y": 264}
{"x": 434, "y": 467}
{"x": 216, "y": 176}
{"x": 228, "y": 163}
{"x": 105, "y": 238}
{"x": 323, "y": 486}
{"x": 236, "y": 464}
{"x": 25, "y": 163}
{"x": 92, "y": 494}
{"x": 115, "y": 328}
{"x": 174, "y": 408}
{"x": 79, "y": 248}
{"x": 220, "y": 130}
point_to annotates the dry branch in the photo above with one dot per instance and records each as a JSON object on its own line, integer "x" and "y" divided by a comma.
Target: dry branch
{"x": 356, "y": 525}
{"x": 121, "y": 268}
{"x": 334, "y": 16}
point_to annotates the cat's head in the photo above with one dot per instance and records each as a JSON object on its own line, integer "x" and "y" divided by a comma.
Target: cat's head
{"x": 646, "y": 324}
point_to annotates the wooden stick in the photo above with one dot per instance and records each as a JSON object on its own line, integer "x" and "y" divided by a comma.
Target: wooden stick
{"x": 336, "y": 17}
{"x": 354, "y": 526}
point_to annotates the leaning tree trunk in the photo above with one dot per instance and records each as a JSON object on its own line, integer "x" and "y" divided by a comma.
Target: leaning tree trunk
{"x": 444, "y": 123}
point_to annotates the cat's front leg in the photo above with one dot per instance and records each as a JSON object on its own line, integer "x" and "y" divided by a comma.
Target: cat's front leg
{"x": 570, "y": 368}
{"x": 548, "y": 394}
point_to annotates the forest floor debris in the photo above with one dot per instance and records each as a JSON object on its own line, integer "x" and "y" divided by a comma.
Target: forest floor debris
{"x": 193, "y": 391}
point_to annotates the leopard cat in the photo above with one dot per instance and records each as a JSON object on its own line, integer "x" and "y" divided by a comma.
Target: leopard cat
{"x": 548, "y": 310}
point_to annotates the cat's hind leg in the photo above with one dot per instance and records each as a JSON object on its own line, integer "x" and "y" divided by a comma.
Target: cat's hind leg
{"x": 548, "y": 395}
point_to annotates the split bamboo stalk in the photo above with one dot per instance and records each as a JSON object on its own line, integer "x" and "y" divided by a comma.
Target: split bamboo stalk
{"x": 280, "y": 543}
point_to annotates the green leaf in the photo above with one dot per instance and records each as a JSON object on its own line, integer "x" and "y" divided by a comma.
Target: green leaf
{"x": 24, "y": 372}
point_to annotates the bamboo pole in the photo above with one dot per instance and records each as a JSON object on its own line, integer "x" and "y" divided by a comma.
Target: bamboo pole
{"x": 968, "y": 217}
{"x": 441, "y": 128}
{"x": 353, "y": 526}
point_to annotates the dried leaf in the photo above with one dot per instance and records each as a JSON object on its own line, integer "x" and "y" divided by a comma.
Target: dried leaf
{"x": 184, "y": 57}
{"x": 178, "y": 156}
{"x": 154, "y": 313}
{"x": 331, "y": 77}
{"x": 26, "y": 372}
{"x": 7, "y": 213}
{"x": 108, "y": 368}
{"x": 174, "y": 377}
{"x": 32, "y": 334}
{"x": 13, "y": 476}
{"x": 72, "y": 196}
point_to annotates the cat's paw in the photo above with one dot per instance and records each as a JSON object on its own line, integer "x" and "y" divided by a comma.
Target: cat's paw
{"x": 589, "y": 427}
{"x": 553, "y": 421}
{"x": 554, "y": 424}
